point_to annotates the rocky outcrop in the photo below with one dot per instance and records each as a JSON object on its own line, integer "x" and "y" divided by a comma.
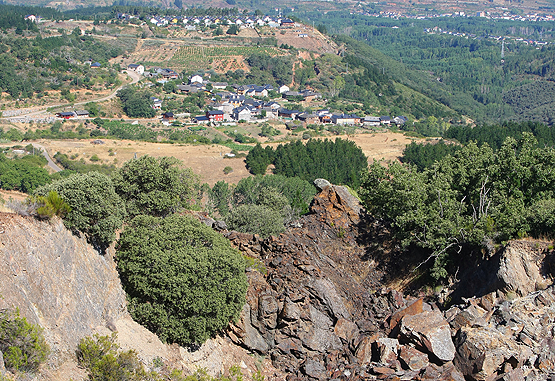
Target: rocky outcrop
{"x": 56, "y": 280}
{"x": 318, "y": 311}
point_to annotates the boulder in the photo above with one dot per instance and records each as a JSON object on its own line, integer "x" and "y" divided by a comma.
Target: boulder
{"x": 387, "y": 350}
{"x": 364, "y": 349}
{"x": 520, "y": 269}
{"x": 412, "y": 359}
{"x": 345, "y": 330}
{"x": 321, "y": 184}
{"x": 412, "y": 309}
{"x": 430, "y": 332}
{"x": 314, "y": 369}
{"x": 317, "y": 334}
{"x": 326, "y": 292}
{"x": 481, "y": 352}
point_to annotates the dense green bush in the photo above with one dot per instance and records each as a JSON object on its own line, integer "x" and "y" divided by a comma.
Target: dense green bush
{"x": 22, "y": 174}
{"x": 469, "y": 200}
{"x": 184, "y": 281}
{"x": 156, "y": 186}
{"x": 256, "y": 219}
{"x": 96, "y": 209}
{"x": 21, "y": 343}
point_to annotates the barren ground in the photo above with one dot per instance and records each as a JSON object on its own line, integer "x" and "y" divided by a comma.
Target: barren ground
{"x": 207, "y": 160}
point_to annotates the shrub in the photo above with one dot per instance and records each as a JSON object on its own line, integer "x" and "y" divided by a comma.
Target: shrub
{"x": 183, "y": 280}
{"x": 256, "y": 219}
{"x": 101, "y": 357}
{"x": 96, "y": 209}
{"x": 52, "y": 205}
{"x": 155, "y": 186}
{"x": 228, "y": 170}
{"x": 22, "y": 343}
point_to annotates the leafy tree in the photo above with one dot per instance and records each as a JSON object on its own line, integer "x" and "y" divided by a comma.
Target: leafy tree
{"x": 234, "y": 30}
{"x": 52, "y": 205}
{"x": 220, "y": 197}
{"x": 155, "y": 186}
{"x": 96, "y": 209}
{"x": 466, "y": 201}
{"x": 184, "y": 281}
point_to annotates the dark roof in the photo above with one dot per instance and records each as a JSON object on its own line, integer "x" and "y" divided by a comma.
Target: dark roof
{"x": 201, "y": 118}
{"x": 67, "y": 113}
{"x": 168, "y": 114}
{"x": 215, "y": 112}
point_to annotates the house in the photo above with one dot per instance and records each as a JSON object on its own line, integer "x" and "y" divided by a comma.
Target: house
{"x": 215, "y": 115}
{"x": 156, "y": 103}
{"x": 219, "y": 85}
{"x": 285, "y": 113}
{"x": 371, "y": 121}
{"x": 283, "y": 89}
{"x": 188, "y": 89}
{"x": 307, "y": 118}
{"x": 385, "y": 120}
{"x": 287, "y": 23}
{"x": 269, "y": 112}
{"x": 236, "y": 100}
{"x": 136, "y": 68}
{"x": 82, "y": 114}
{"x": 400, "y": 120}
{"x": 310, "y": 95}
{"x": 196, "y": 78}
{"x": 167, "y": 116}
{"x": 169, "y": 74}
{"x": 292, "y": 95}
{"x": 201, "y": 119}
{"x": 95, "y": 65}
{"x": 345, "y": 119}
{"x": 66, "y": 114}
{"x": 242, "y": 113}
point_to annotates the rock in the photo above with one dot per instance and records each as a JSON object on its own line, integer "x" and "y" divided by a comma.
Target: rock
{"x": 412, "y": 309}
{"x": 321, "y": 184}
{"x": 314, "y": 369}
{"x": 387, "y": 350}
{"x": 482, "y": 351}
{"x": 267, "y": 311}
{"x": 318, "y": 335}
{"x": 412, "y": 358}
{"x": 429, "y": 330}
{"x": 291, "y": 311}
{"x": 346, "y": 330}
{"x": 326, "y": 292}
{"x": 248, "y": 335}
{"x": 364, "y": 349}
{"x": 2, "y": 367}
{"x": 57, "y": 280}
{"x": 520, "y": 269}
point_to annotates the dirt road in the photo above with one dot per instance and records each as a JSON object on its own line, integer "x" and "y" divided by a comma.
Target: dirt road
{"x": 135, "y": 77}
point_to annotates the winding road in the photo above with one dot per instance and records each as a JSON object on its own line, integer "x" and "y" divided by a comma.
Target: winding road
{"x": 51, "y": 163}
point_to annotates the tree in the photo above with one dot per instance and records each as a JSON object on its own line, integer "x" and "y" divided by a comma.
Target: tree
{"x": 256, "y": 219}
{"x": 96, "y": 209}
{"x": 184, "y": 281}
{"x": 156, "y": 186}
{"x": 233, "y": 29}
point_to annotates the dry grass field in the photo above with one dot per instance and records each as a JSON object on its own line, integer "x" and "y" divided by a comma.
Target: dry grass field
{"x": 208, "y": 161}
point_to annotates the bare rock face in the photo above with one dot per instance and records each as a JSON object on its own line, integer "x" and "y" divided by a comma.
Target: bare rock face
{"x": 521, "y": 268}
{"x": 429, "y": 331}
{"x": 56, "y": 280}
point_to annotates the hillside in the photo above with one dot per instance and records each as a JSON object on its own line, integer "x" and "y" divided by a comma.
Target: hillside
{"x": 322, "y": 308}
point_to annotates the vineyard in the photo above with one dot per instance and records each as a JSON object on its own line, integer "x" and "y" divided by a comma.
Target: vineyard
{"x": 219, "y": 58}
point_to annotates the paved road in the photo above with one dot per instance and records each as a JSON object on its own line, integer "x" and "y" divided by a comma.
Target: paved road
{"x": 135, "y": 77}
{"x": 51, "y": 163}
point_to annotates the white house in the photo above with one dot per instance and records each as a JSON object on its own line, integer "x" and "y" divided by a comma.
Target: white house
{"x": 283, "y": 89}
{"x": 196, "y": 78}
{"x": 136, "y": 68}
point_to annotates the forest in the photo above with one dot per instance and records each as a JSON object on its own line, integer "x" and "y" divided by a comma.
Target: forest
{"x": 466, "y": 73}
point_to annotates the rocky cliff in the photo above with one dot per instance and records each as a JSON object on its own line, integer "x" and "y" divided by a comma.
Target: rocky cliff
{"x": 320, "y": 310}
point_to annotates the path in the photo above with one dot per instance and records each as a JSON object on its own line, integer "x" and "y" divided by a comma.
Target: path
{"x": 135, "y": 77}
{"x": 51, "y": 163}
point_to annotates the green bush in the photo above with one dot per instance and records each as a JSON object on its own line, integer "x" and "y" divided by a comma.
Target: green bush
{"x": 22, "y": 343}
{"x": 96, "y": 209}
{"x": 256, "y": 219}
{"x": 101, "y": 357}
{"x": 52, "y": 205}
{"x": 156, "y": 186}
{"x": 183, "y": 280}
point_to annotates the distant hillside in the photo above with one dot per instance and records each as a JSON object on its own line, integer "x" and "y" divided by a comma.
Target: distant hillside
{"x": 533, "y": 102}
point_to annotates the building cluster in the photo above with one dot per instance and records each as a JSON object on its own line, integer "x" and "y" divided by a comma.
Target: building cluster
{"x": 192, "y": 23}
{"x": 503, "y": 15}
{"x": 73, "y": 114}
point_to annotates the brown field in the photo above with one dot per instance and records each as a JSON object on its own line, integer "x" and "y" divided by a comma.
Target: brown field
{"x": 208, "y": 160}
